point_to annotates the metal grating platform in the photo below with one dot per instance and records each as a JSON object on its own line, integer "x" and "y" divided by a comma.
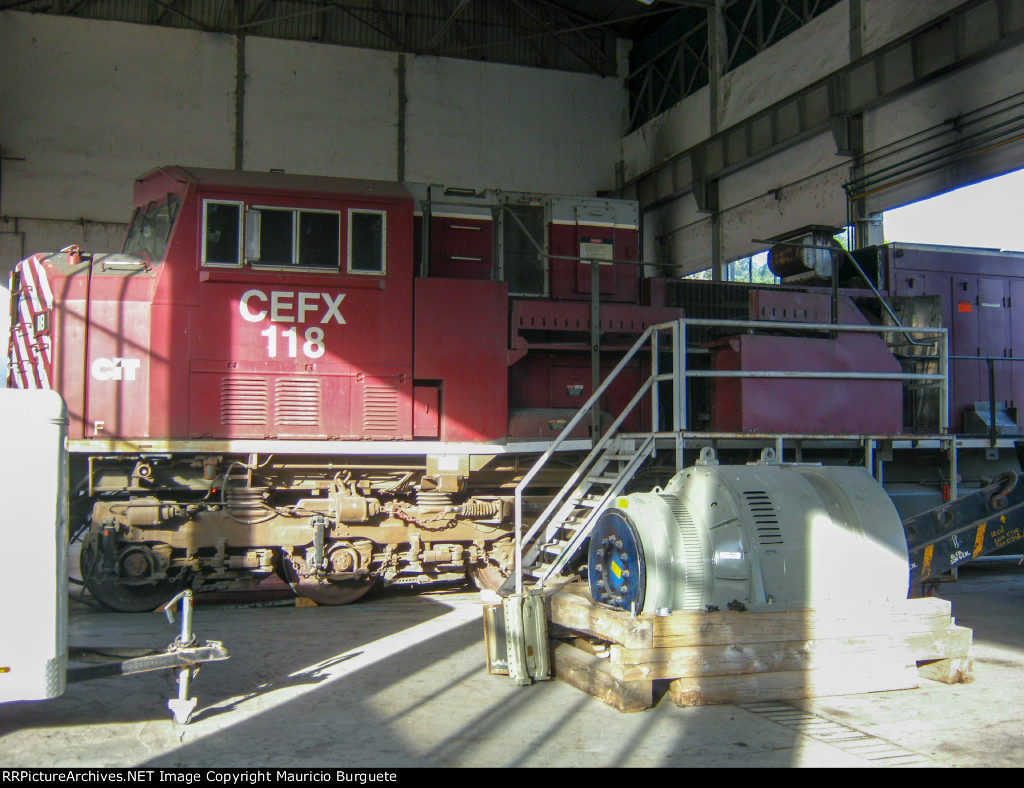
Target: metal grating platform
{"x": 850, "y": 740}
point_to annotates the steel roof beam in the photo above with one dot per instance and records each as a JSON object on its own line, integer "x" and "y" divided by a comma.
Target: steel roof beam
{"x": 945, "y": 44}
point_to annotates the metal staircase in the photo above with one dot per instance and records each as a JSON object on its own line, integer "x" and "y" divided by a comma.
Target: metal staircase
{"x": 555, "y": 538}
{"x": 557, "y": 535}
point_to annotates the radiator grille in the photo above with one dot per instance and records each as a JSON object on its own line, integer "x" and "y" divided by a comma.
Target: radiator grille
{"x": 380, "y": 409}
{"x": 243, "y": 401}
{"x": 297, "y": 402}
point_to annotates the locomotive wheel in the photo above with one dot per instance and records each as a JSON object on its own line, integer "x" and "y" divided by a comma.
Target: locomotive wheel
{"x": 119, "y": 596}
{"x": 487, "y": 578}
{"x": 333, "y": 594}
{"x": 329, "y": 592}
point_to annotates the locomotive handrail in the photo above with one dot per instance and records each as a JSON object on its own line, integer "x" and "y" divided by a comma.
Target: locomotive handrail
{"x": 993, "y": 427}
{"x": 939, "y": 379}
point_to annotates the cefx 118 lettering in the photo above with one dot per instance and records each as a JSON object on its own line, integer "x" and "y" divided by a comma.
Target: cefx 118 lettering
{"x": 291, "y": 306}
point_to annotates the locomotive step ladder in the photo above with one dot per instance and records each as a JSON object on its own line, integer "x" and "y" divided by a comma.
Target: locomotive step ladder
{"x": 556, "y": 537}
{"x": 553, "y": 540}
{"x": 559, "y": 533}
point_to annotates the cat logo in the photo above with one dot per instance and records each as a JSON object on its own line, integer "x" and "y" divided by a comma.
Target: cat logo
{"x": 115, "y": 368}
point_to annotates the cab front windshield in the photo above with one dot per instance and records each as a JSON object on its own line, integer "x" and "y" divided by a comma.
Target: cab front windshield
{"x": 151, "y": 229}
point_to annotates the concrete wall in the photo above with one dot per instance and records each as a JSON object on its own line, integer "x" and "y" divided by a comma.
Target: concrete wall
{"x": 88, "y": 106}
{"x": 789, "y": 190}
{"x": 884, "y": 21}
{"x": 327, "y": 110}
{"x": 800, "y": 59}
{"x": 758, "y": 202}
{"x": 984, "y": 94}
{"x": 514, "y": 128}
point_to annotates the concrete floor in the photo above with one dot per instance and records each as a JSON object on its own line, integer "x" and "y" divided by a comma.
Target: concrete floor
{"x": 399, "y": 681}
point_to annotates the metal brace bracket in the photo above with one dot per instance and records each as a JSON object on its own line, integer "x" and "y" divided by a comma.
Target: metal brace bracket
{"x": 527, "y": 637}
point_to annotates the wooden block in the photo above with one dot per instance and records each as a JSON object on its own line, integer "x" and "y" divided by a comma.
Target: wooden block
{"x": 572, "y": 608}
{"x": 956, "y": 670}
{"x": 590, "y": 674}
{"x": 577, "y": 612}
{"x": 728, "y": 656}
{"x": 751, "y": 658}
{"x": 790, "y": 684}
{"x": 952, "y": 642}
{"x": 739, "y": 658}
{"x": 302, "y": 601}
{"x": 727, "y": 627}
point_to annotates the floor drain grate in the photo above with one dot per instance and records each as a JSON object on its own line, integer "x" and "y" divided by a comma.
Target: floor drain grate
{"x": 843, "y": 737}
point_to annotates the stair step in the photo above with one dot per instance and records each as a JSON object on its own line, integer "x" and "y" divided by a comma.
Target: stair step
{"x": 603, "y": 479}
{"x": 551, "y": 534}
{"x": 619, "y": 457}
{"x": 559, "y": 543}
{"x": 537, "y": 569}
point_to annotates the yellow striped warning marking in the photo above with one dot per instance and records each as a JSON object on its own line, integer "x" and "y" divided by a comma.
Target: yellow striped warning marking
{"x": 979, "y": 540}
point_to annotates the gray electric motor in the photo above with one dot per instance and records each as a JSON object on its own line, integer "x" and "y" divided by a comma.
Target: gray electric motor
{"x": 762, "y": 536}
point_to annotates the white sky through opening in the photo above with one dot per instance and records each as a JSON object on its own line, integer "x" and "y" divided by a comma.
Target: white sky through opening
{"x": 989, "y": 214}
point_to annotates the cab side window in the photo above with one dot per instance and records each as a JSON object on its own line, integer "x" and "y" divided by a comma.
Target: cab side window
{"x": 222, "y": 233}
{"x": 318, "y": 239}
{"x": 367, "y": 231}
{"x": 280, "y": 238}
{"x": 235, "y": 234}
{"x": 150, "y": 229}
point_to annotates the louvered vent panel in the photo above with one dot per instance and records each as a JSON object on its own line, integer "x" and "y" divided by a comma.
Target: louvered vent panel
{"x": 297, "y": 403}
{"x": 380, "y": 409}
{"x": 693, "y": 555}
{"x": 766, "y": 519}
{"x": 243, "y": 401}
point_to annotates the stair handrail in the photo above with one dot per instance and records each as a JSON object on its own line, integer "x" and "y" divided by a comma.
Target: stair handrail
{"x": 574, "y": 543}
{"x": 584, "y": 468}
{"x": 598, "y": 445}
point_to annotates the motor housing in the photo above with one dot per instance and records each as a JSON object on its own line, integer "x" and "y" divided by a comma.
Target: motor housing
{"x": 766, "y": 535}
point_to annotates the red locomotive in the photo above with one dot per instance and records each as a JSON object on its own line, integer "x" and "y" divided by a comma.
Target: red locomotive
{"x": 336, "y": 380}
{"x": 342, "y": 381}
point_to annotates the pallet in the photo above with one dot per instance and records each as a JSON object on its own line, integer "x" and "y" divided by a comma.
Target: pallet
{"x": 733, "y": 657}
